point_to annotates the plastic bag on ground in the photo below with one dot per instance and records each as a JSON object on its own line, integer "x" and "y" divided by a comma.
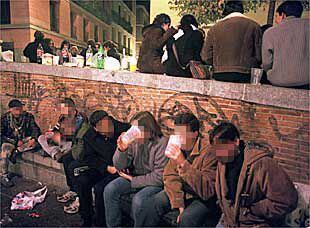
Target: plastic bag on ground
{"x": 27, "y": 200}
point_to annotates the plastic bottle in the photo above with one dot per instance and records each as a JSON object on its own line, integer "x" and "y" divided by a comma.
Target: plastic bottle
{"x": 133, "y": 64}
{"x": 89, "y": 55}
{"x": 40, "y": 52}
{"x": 100, "y": 58}
{"x": 124, "y": 62}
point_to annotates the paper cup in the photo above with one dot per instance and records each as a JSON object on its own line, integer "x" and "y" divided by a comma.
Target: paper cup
{"x": 131, "y": 135}
{"x": 171, "y": 152}
{"x": 256, "y": 75}
{"x": 55, "y": 60}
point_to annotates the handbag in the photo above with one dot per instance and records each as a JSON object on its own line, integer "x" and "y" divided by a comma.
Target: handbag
{"x": 198, "y": 69}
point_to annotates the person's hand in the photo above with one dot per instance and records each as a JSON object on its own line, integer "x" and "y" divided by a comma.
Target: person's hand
{"x": 111, "y": 169}
{"x": 124, "y": 175}
{"x": 181, "y": 210}
{"x": 19, "y": 143}
{"x": 120, "y": 144}
{"x": 174, "y": 152}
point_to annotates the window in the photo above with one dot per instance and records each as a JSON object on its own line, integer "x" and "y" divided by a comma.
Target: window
{"x": 73, "y": 27}
{"x": 54, "y": 15}
{"x": 103, "y": 36}
{"x": 124, "y": 41}
{"x": 96, "y": 32}
{"x": 113, "y": 35}
{"x": 119, "y": 39}
{"x": 129, "y": 51}
{"x": 5, "y": 12}
{"x": 85, "y": 32}
{"x": 119, "y": 11}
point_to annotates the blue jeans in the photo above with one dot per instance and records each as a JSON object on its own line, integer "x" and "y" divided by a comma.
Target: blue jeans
{"x": 197, "y": 213}
{"x": 112, "y": 202}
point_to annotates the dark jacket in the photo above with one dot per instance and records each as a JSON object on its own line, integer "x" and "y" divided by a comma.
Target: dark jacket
{"x": 188, "y": 48}
{"x": 233, "y": 45}
{"x": 147, "y": 162}
{"x": 114, "y": 53}
{"x": 199, "y": 175}
{"x": 30, "y": 50}
{"x": 98, "y": 150}
{"x": 151, "y": 51}
{"x": 264, "y": 195}
{"x": 28, "y": 128}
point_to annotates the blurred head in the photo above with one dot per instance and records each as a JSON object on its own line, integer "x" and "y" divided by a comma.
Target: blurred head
{"x": 225, "y": 141}
{"x": 108, "y": 45}
{"x": 188, "y": 20}
{"x": 67, "y": 126}
{"x": 92, "y": 43}
{"x": 232, "y": 6}
{"x": 38, "y": 36}
{"x": 187, "y": 126}
{"x": 102, "y": 123}
{"x": 65, "y": 44}
{"x": 56, "y": 138}
{"x": 98, "y": 44}
{"x": 148, "y": 126}
{"x": 68, "y": 107}
{"x": 287, "y": 9}
{"x": 162, "y": 20}
{"x": 49, "y": 42}
{"x": 74, "y": 50}
{"x": 265, "y": 27}
{"x": 16, "y": 107}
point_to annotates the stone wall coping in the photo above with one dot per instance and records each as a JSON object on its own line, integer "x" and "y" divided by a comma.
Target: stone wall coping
{"x": 259, "y": 94}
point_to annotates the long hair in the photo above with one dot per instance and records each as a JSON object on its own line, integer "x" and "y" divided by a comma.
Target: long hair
{"x": 147, "y": 120}
{"x": 162, "y": 19}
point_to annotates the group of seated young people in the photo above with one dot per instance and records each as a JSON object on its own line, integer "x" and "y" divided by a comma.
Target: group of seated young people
{"x": 233, "y": 46}
{"x": 219, "y": 180}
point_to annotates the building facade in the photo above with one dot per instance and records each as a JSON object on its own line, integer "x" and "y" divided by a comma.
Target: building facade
{"x": 73, "y": 20}
{"x": 143, "y": 19}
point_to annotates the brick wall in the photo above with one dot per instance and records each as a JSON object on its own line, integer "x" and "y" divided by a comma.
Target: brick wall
{"x": 286, "y": 130}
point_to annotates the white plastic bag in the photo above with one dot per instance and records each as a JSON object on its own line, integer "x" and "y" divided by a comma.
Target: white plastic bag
{"x": 27, "y": 200}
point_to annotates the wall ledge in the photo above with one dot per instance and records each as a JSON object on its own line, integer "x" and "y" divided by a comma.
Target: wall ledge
{"x": 261, "y": 94}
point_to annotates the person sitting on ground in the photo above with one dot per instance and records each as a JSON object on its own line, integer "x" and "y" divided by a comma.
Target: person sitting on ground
{"x": 286, "y": 48}
{"x": 146, "y": 160}
{"x": 187, "y": 47}
{"x": 189, "y": 180}
{"x": 96, "y": 153}
{"x": 155, "y": 37}
{"x": 233, "y": 45}
{"x": 252, "y": 189}
{"x": 30, "y": 50}
{"x": 77, "y": 123}
{"x": 111, "y": 50}
{"x": 56, "y": 143}
{"x": 19, "y": 133}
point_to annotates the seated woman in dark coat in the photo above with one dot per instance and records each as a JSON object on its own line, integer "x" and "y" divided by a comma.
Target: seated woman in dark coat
{"x": 188, "y": 47}
{"x": 155, "y": 37}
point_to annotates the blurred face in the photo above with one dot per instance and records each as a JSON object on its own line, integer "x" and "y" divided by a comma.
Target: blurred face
{"x": 106, "y": 48}
{"x": 105, "y": 127}
{"x": 66, "y": 46}
{"x": 68, "y": 127}
{"x": 67, "y": 110}
{"x": 145, "y": 133}
{"x": 16, "y": 111}
{"x": 188, "y": 136}
{"x": 51, "y": 44}
{"x": 56, "y": 137}
{"x": 226, "y": 151}
{"x": 98, "y": 46}
{"x": 165, "y": 26}
{"x": 279, "y": 18}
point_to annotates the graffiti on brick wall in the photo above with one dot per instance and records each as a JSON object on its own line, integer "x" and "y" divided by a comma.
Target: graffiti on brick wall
{"x": 209, "y": 114}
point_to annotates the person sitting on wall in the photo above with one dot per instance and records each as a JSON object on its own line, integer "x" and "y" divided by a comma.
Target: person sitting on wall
{"x": 77, "y": 122}
{"x": 146, "y": 160}
{"x": 95, "y": 153}
{"x": 92, "y": 44}
{"x": 111, "y": 50}
{"x": 64, "y": 52}
{"x": 189, "y": 180}
{"x": 30, "y": 50}
{"x": 233, "y": 45}
{"x": 19, "y": 133}
{"x": 286, "y": 48}
{"x": 98, "y": 44}
{"x": 51, "y": 49}
{"x": 252, "y": 189}
{"x": 155, "y": 37}
{"x": 184, "y": 48}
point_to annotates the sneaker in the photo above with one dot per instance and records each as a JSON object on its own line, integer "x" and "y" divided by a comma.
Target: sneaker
{"x": 73, "y": 208}
{"x": 67, "y": 197}
{"x": 6, "y": 181}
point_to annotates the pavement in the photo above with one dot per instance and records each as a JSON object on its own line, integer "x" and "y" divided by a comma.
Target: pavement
{"x": 50, "y": 211}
